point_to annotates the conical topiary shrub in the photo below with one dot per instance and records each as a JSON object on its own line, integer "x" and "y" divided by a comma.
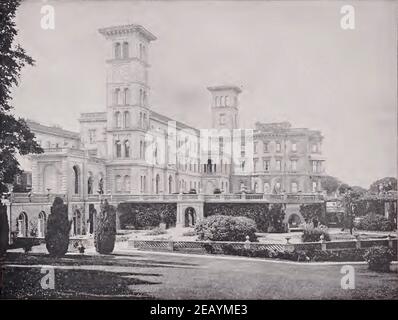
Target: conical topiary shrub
{"x": 58, "y": 227}
{"x": 105, "y": 233}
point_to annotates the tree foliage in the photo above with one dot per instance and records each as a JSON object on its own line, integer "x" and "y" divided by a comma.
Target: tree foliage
{"x": 105, "y": 233}
{"x": 330, "y": 184}
{"x": 58, "y": 228}
{"x": 15, "y": 135}
{"x": 386, "y": 184}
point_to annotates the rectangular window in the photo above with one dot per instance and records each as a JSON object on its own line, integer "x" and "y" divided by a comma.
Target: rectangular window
{"x": 255, "y": 164}
{"x": 294, "y": 165}
{"x": 278, "y": 165}
{"x": 91, "y": 135}
{"x": 294, "y": 147}
{"x": 255, "y": 147}
{"x": 278, "y": 147}
{"x": 266, "y": 165}
{"x": 314, "y": 166}
{"x": 314, "y": 148}
{"x": 265, "y": 147}
{"x": 222, "y": 118}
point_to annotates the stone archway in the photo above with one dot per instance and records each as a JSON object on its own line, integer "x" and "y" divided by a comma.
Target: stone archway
{"x": 294, "y": 220}
{"x": 41, "y": 224}
{"x": 22, "y": 223}
{"x": 189, "y": 217}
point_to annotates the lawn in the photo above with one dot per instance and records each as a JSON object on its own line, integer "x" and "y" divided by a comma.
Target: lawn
{"x": 140, "y": 275}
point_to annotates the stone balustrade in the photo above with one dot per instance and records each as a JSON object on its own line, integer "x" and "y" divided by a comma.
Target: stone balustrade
{"x": 117, "y": 198}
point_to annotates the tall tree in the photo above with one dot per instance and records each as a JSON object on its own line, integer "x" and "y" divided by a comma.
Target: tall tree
{"x": 15, "y": 135}
{"x": 384, "y": 184}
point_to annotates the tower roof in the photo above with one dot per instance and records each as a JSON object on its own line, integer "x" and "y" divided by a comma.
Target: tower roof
{"x": 224, "y": 87}
{"x": 126, "y": 29}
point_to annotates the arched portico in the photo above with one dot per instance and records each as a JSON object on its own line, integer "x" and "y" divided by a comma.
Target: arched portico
{"x": 189, "y": 213}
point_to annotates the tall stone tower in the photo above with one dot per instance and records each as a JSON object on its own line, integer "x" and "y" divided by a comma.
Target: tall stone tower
{"x": 224, "y": 107}
{"x": 127, "y": 93}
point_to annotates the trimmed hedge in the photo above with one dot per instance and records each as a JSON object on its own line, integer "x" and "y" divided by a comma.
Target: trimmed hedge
{"x": 296, "y": 255}
{"x": 375, "y": 222}
{"x": 314, "y": 235}
{"x": 379, "y": 258}
{"x": 268, "y": 218}
{"x": 226, "y": 228}
{"x": 147, "y": 215}
{"x": 58, "y": 228}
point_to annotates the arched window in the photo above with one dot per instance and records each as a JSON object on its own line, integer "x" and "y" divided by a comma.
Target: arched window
{"x": 144, "y": 98}
{"x": 170, "y": 184}
{"x": 141, "y": 150}
{"x": 157, "y": 184}
{"x": 126, "y": 148}
{"x": 126, "y": 96}
{"x": 100, "y": 183}
{"x": 22, "y": 224}
{"x": 141, "y": 51}
{"x": 115, "y": 98}
{"x": 76, "y": 176}
{"x": 118, "y": 50}
{"x": 118, "y": 146}
{"x": 126, "y": 119}
{"x": 118, "y": 183}
{"x": 221, "y": 101}
{"x": 255, "y": 187}
{"x": 125, "y": 50}
{"x": 145, "y": 124}
{"x": 90, "y": 183}
{"x": 141, "y": 120}
{"x": 118, "y": 119}
{"x": 41, "y": 224}
{"x": 126, "y": 184}
{"x": 267, "y": 188}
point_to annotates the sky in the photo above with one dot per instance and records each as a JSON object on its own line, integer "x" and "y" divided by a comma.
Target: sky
{"x": 292, "y": 60}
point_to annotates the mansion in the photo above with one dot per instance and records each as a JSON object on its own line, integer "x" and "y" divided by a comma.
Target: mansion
{"x": 128, "y": 148}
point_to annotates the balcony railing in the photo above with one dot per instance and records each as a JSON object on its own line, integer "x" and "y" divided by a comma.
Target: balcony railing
{"x": 117, "y": 198}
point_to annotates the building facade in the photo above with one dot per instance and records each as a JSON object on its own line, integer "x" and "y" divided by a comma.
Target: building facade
{"x": 128, "y": 148}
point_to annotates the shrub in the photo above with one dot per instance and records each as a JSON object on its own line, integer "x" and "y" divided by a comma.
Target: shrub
{"x": 105, "y": 234}
{"x": 58, "y": 227}
{"x": 314, "y": 234}
{"x": 226, "y": 228}
{"x": 267, "y": 217}
{"x": 341, "y": 255}
{"x": 156, "y": 232}
{"x": 379, "y": 258}
{"x": 375, "y": 222}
